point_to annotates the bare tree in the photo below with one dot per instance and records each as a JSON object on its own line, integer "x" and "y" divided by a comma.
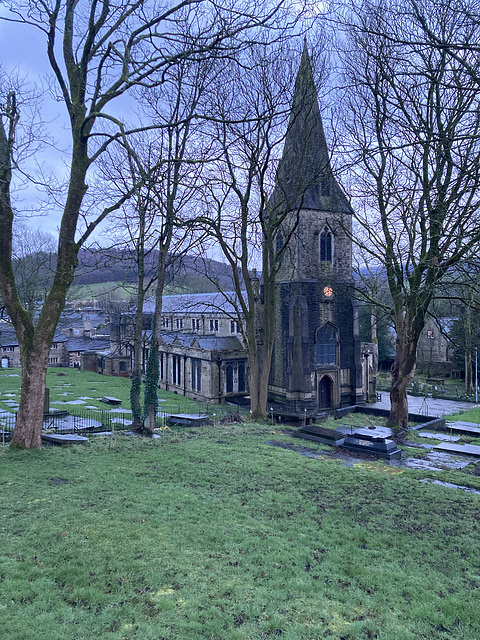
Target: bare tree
{"x": 97, "y": 51}
{"x": 253, "y": 228}
{"x": 413, "y": 139}
{"x": 33, "y": 265}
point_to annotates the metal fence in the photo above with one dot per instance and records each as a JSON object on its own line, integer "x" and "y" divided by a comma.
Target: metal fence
{"x": 95, "y": 420}
{"x": 66, "y": 422}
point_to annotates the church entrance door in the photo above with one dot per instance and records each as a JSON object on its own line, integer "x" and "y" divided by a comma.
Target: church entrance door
{"x": 325, "y": 393}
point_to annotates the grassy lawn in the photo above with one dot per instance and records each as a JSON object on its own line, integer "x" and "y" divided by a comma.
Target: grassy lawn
{"x": 67, "y": 386}
{"x": 215, "y": 534}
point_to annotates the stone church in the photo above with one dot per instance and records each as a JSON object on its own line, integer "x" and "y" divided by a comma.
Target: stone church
{"x": 316, "y": 361}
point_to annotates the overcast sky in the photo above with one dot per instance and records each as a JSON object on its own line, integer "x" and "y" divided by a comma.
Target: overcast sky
{"x": 23, "y": 54}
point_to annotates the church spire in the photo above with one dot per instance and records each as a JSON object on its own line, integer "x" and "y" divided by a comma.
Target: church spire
{"x": 304, "y": 177}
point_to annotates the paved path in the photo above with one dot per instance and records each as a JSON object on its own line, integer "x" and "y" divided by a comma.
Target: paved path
{"x": 429, "y": 407}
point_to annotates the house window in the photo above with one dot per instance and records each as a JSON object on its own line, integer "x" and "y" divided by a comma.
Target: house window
{"x": 213, "y": 325}
{"x": 196, "y": 324}
{"x": 52, "y": 360}
{"x": 326, "y": 246}
{"x": 9, "y": 349}
{"x": 196, "y": 374}
{"x": 177, "y": 370}
{"x": 430, "y": 334}
{"x": 179, "y": 323}
{"x": 165, "y": 322}
{"x": 234, "y": 327}
{"x": 54, "y": 345}
{"x": 326, "y": 339}
{"x": 122, "y": 365}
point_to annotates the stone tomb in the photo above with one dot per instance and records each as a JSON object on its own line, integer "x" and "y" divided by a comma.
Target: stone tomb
{"x": 188, "y": 420}
{"x": 320, "y": 434}
{"x": 371, "y": 441}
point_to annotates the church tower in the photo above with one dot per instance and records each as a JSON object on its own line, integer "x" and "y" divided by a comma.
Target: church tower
{"x": 316, "y": 360}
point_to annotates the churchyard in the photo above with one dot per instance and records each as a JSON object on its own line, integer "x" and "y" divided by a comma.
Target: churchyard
{"x": 231, "y": 531}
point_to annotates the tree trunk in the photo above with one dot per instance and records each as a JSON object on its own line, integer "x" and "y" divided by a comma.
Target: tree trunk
{"x": 152, "y": 374}
{"x": 402, "y": 371}
{"x": 253, "y": 382}
{"x": 28, "y": 427}
{"x": 136, "y": 385}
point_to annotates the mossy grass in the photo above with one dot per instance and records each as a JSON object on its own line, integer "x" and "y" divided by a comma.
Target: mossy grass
{"x": 473, "y": 415}
{"x": 212, "y": 533}
{"x": 67, "y": 385}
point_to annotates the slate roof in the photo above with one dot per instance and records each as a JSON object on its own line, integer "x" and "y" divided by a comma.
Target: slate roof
{"x": 10, "y": 339}
{"x": 304, "y": 177}
{"x": 198, "y": 303}
{"x": 207, "y": 343}
{"x": 84, "y": 344}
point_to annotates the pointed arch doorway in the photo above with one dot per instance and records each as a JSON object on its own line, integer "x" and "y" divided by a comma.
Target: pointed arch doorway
{"x": 325, "y": 393}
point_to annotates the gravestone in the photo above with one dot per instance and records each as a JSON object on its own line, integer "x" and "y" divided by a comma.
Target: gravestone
{"x": 369, "y": 442}
{"x": 320, "y": 434}
{"x": 188, "y": 419}
{"x": 63, "y": 439}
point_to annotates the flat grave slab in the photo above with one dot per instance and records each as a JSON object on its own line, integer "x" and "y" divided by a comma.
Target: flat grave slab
{"x": 439, "y": 436}
{"x": 154, "y": 436}
{"x": 63, "y": 439}
{"x": 320, "y": 434}
{"x": 369, "y": 433}
{"x": 188, "y": 419}
{"x": 464, "y": 427}
{"x": 374, "y": 431}
{"x": 466, "y": 449}
{"x": 110, "y": 400}
{"x": 419, "y": 445}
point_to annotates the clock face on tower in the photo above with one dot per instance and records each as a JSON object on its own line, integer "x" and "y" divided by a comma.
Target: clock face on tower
{"x": 328, "y": 292}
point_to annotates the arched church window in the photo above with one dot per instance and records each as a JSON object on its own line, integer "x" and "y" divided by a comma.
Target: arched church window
{"x": 326, "y": 339}
{"x": 326, "y": 245}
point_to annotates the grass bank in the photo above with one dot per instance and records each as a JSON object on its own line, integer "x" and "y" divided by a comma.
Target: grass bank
{"x": 216, "y": 534}
{"x": 72, "y": 389}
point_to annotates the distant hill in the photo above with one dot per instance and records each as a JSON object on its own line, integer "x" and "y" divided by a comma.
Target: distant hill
{"x": 190, "y": 273}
